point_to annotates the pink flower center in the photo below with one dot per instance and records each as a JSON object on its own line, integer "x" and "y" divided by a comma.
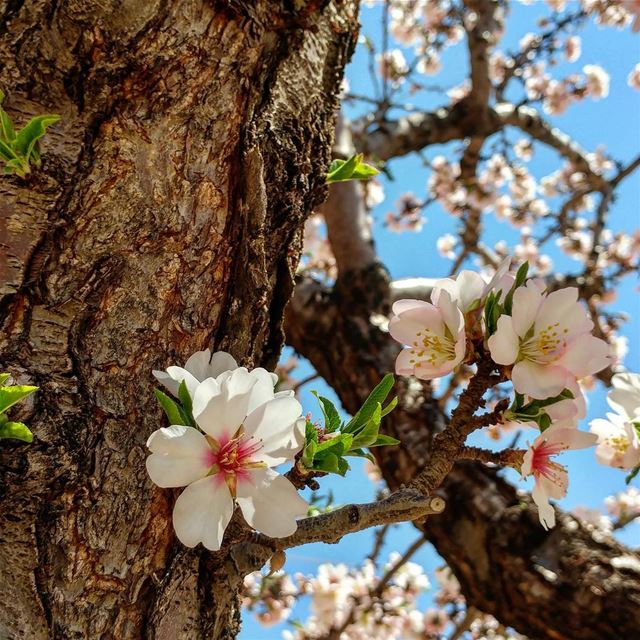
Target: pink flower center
{"x": 231, "y": 459}
{"x": 543, "y": 465}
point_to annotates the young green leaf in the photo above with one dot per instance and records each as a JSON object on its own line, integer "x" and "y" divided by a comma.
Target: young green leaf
{"x": 187, "y": 402}
{"x": 376, "y": 397}
{"x": 330, "y": 413}
{"x": 174, "y": 411}
{"x": 308, "y": 454}
{"x": 10, "y": 395}
{"x": 384, "y": 441}
{"x": 15, "y": 430}
{"x": 352, "y": 169}
{"x": 360, "y": 453}
{"x": 331, "y": 464}
{"x": 28, "y": 136}
{"x": 338, "y": 445}
{"x": 390, "y": 407}
{"x": 3, "y": 378}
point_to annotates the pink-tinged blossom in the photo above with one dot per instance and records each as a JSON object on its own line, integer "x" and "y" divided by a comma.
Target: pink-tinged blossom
{"x": 618, "y": 435}
{"x": 434, "y": 334}
{"x": 633, "y": 79}
{"x": 551, "y": 478}
{"x": 572, "y": 48}
{"x": 597, "y": 81}
{"x": 246, "y": 430}
{"x": 624, "y": 505}
{"x": 446, "y": 245}
{"x": 468, "y": 288}
{"x": 548, "y": 340}
{"x": 200, "y": 366}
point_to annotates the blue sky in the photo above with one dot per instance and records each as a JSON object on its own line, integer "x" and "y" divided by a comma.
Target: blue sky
{"x": 614, "y": 122}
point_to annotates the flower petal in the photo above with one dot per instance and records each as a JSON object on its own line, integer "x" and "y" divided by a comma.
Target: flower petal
{"x": 405, "y": 327}
{"x": 586, "y": 355}
{"x": 526, "y": 302}
{"x": 504, "y": 343}
{"x": 537, "y": 380}
{"x": 202, "y": 512}
{"x": 277, "y": 425}
{"x": 546, "y": 512}
{"x": 179, "y": 456}
{"x": 270, "y": 503}
{"x": 209, "y": 404}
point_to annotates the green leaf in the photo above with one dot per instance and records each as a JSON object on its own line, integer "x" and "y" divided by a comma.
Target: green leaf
{"x": 187, "y": 403}
{"x": 360, "y": 453}
{"x": 6, "y": 152}
{"x": 174, "y": 411}
{"x": 338, "y": 445}
{"x": 310, "y": 432}
{"x": 632, "y": 475}
{"x": 376, "y": 397}
{"x": 521, "y": 276}
{"x": 390, "y": 407}
{"x": 29, "y": 135}
{"x": 330, "y": 413}
{"x": 15, "y": 430}
{"x": 544, "y": 421}
{"x": 366, "y": 436}
{"x": 3, "y": 378}
{"x": 384, "y": 441}
{"x": 10, "y": 395}
{"x": 352, "y": 169}
{"x": 6, "y": 127}
{"x": 308, "y": 454}
{"x": 332, "y": 464}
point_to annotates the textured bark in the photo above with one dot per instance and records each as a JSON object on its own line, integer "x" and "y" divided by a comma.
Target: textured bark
{"x": 166, "y": 218}
{"x": 563, "y": 584}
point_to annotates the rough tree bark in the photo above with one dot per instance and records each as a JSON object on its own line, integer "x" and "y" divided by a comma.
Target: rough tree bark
{"x": 167, "y": 217}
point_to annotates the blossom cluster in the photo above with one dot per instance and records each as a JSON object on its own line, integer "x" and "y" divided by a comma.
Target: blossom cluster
{"x": 349, "y": 599}
{"x": 542, "y": 341}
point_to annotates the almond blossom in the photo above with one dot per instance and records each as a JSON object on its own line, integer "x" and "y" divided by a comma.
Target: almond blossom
{"x": 435, "y": 335}
{"x": 548, "y": 340}
{"x": 619, "y": 435}
{"x": 246, "y": 431}
{"x": 551, "y": 478}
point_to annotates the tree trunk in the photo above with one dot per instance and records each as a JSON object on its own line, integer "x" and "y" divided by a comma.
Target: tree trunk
{"x": 167, "y": 217}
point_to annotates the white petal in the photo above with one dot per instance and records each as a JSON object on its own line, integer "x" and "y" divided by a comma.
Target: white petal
{"x": 586, "y": 355}
{"x": 180, "y": 456}
{"x": 538, "y": 381}
{"x": 179, "y": 374}
{"x": 198, "y": 365}
{"x": 270, "y": 503}
{"x": 526, "y": 301}
{"x": 405, "y": 327}
{"x": 562, "y": 306}
{"x": 451, "y": 315}
{"x": 167, "y": 381}
{"x": 220, "y": 362}
{"x": 262, "y": 390}
{"x": 209, "y": 404}
{"x": 546, "y": 512}
{"x": 202, "y": 513}
{"x": 470, "y": 288}
{"x": 276, "y": 424}
{"x": 504, "y": 343}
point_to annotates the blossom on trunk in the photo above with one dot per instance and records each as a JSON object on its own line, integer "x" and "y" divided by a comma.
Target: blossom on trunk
{"x": 551, "y": 478}
{"x": 548, "y": 340}
{"x": 246, "y": 431}
{"x": 434, "y": 334}
{"x": 619, "y": 435}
